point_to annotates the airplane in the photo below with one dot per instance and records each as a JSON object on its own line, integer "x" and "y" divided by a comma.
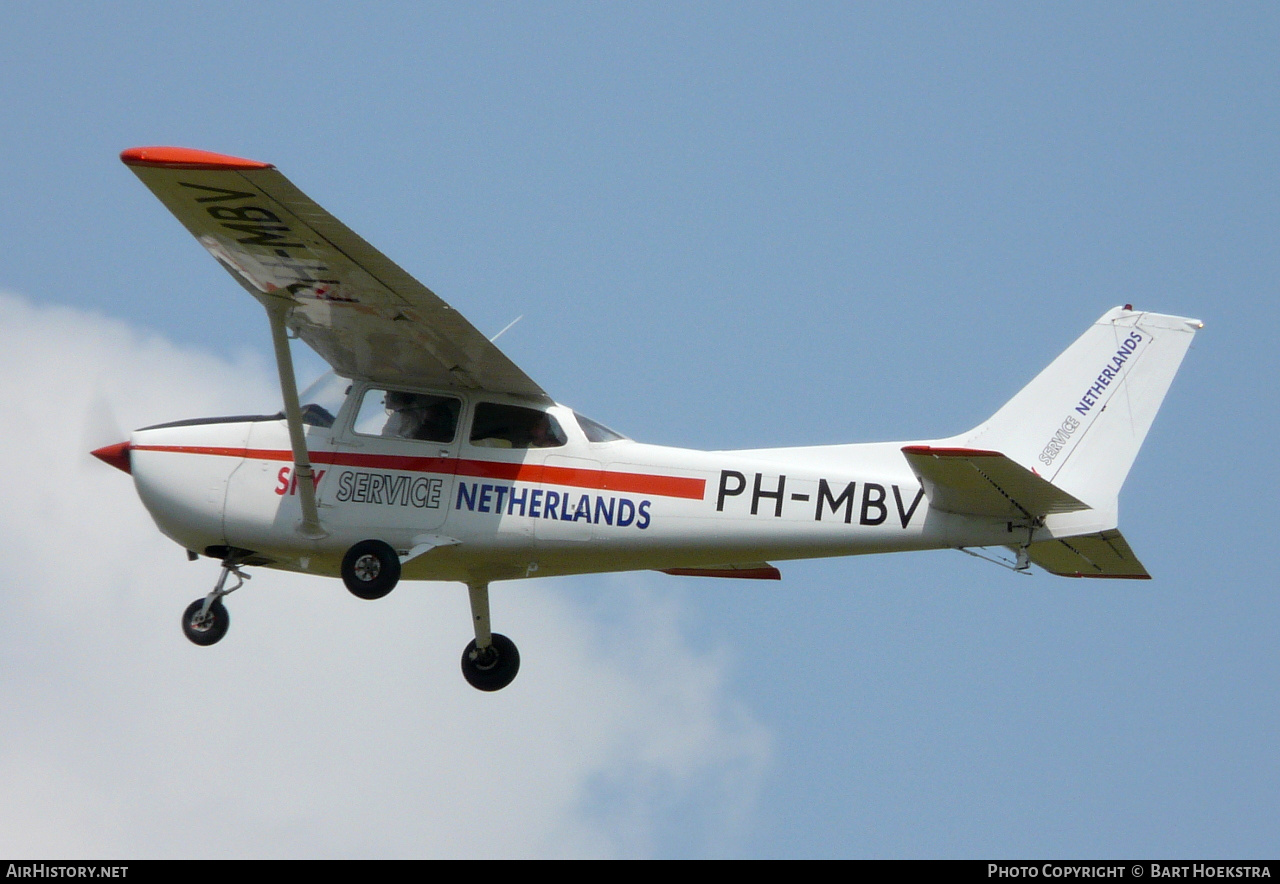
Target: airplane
{"x": 427, "y": 454}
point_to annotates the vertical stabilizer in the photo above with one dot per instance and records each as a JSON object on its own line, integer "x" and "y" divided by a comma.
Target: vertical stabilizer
{"x": 1080, "y": 423}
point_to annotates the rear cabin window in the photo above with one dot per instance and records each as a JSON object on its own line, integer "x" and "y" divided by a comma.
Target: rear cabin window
{"x": 514, "y": 426}
{"x": 399, "y": 415}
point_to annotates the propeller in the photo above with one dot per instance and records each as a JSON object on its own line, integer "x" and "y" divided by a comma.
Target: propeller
{"x": 102, "y": 433}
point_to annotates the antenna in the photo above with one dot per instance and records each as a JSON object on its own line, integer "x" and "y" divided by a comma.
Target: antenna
{"x": 504, "y": 331}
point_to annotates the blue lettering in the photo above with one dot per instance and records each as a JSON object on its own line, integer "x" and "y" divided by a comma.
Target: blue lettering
{"x": 538, "y": 503}
{"x": 463, "y": 495}
{"x": 1108, "y": 374}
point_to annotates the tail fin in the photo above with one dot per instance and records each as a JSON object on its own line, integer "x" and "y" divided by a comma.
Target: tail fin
{"x": 1080, "y": 423}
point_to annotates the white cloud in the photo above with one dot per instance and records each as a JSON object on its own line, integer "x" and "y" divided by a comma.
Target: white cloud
{"x": 322, "y": 725}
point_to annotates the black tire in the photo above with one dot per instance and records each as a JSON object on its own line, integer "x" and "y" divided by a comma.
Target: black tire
{"x": 494, "y": 669}
{"x": 370, "y": 569}
{"x": 207, "y": 630}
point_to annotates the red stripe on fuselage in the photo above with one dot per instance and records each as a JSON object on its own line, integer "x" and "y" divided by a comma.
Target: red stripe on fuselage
{"x": 602, "y": 480}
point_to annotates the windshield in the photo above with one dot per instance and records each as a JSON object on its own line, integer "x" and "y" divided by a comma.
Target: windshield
{"x": 596, "y": 431}
{"x": 321, "y": 400}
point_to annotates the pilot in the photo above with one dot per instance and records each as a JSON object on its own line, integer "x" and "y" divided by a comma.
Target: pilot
{"x": 415, "y": 416}
{"x": 542, "y": 434}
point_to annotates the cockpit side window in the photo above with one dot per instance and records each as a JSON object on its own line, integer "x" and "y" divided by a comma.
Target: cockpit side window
{"x": 399, "y": 415}
{"x": 514, "y": 426}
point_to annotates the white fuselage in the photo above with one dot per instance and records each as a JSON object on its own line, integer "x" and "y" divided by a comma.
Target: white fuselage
{"x": 485, "y": 513}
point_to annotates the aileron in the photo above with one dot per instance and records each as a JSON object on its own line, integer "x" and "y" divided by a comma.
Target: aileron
{"x": 741, "y": 571}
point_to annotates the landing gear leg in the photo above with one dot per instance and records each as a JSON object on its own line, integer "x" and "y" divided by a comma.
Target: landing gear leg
{"x": 491, "y": 661}
{"x": 206, "y": 620}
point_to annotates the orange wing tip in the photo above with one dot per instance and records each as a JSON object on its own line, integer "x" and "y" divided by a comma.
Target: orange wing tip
{"x": 117, "y": 455}
{"x": 186, "y": 158}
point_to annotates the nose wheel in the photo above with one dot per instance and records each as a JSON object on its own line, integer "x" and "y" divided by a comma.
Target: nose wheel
{"x": 206, "y": 620}
{"x": 205, "y": 626}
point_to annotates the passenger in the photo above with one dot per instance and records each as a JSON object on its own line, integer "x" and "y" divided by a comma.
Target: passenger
{"x": 437, "y": 423}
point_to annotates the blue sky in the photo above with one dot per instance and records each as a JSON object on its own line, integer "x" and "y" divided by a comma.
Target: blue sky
{"x": 725, "y": 225}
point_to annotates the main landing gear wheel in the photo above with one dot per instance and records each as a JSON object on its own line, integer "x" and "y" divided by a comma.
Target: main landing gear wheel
{"x": 493, "y": 668}
{"x": 370, "y": 569}
{"x": 208, "y": 628}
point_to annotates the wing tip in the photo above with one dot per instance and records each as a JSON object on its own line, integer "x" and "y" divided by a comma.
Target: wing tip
{"x": 187, "y": 158}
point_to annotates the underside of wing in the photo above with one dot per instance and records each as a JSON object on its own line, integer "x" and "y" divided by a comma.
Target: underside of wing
{"x": 362, "y": 313}
{"x": 985, "y": 483}
{"x": 1105, "y": 554}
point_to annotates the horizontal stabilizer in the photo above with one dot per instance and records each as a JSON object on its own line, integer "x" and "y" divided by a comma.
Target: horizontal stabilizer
{"x": 742, "y": 571}
{"x": 974, "y": 482}
{"x": 1105, "y": 554}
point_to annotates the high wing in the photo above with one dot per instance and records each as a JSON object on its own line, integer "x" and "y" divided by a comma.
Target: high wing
{"x": 362, "y": 313}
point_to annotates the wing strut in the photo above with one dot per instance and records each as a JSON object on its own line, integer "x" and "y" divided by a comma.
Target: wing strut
{"x": 310, "y": 526}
